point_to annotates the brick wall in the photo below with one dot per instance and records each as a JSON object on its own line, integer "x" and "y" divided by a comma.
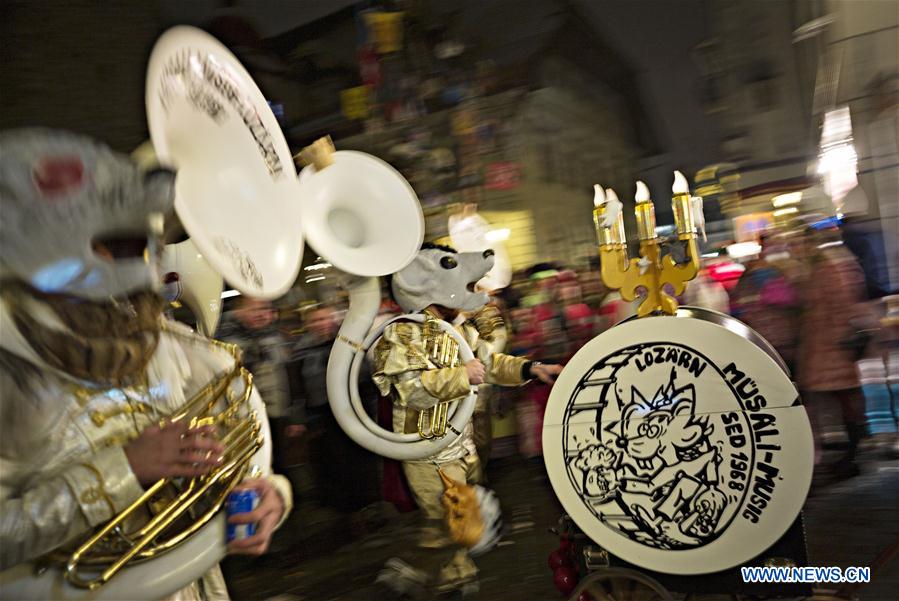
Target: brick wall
{"x": 77, "y": 65}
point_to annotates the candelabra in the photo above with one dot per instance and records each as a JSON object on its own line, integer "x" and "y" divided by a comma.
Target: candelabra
{"x": 651, "y": 273}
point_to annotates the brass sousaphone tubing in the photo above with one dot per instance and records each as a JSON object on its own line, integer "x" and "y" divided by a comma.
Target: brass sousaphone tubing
{"x": 241, "y": 441}
{"x": 436, "y": 419}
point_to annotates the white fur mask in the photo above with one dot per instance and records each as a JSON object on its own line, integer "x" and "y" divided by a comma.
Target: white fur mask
{"x": 59, "y": 193}
{"x": 442, "y": 277}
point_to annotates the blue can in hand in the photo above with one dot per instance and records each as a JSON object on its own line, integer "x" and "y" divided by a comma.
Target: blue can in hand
{"x": 241, "y": 501}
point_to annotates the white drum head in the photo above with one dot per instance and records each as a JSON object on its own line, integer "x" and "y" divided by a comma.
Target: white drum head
{"x": 236, "y": 190}
{"x": 361, "y": 214}
{"x": 678, "y": 445}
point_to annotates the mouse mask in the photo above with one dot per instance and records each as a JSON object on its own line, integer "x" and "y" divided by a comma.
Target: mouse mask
{"x": 442, "y": 276}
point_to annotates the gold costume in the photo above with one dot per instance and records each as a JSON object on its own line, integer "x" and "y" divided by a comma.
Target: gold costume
{"x": 419, "y": 367}
{"x": 493, "y": 337}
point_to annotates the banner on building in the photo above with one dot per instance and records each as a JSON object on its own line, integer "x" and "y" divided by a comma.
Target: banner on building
{"x": 354, "y": 102}
{"x": 385, "y": 30}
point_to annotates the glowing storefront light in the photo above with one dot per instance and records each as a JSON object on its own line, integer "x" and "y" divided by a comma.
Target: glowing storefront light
{"x": 497, "y": 235}
{"x": 786, "y": 211}
{"x": 783, "y": 200}
{"x": 743, "y": 249}
{"x": 837, "y": 159}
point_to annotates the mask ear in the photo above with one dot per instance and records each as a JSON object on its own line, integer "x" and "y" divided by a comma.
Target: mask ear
{"x": 412, "y": 278}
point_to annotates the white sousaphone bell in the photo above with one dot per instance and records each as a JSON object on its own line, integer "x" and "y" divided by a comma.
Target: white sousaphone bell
{"x": 187, "y": 276}
{"x": 236, "y": 188}
{"x": 239, "y": 199}
{"x": 364, "y": 217}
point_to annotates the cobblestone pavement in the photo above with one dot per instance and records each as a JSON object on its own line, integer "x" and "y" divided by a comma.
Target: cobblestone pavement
{"x": 847, "y": 524}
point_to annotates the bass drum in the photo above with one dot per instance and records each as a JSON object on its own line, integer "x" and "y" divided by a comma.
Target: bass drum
{"x": 679, "y": 444}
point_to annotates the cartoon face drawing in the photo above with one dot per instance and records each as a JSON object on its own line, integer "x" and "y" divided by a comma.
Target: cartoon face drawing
{"x": 653, "y": 473}
{"x": 664, "y": 427}
{"x": 643, "y": 439}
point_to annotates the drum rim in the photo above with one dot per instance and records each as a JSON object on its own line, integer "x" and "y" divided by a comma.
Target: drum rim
{"x": 729, "y": 323}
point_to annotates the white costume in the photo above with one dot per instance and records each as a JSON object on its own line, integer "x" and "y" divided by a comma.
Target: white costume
{"x": 87, "y": 361}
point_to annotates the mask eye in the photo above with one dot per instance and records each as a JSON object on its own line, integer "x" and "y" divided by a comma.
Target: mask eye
{"x": 448, "y": 263}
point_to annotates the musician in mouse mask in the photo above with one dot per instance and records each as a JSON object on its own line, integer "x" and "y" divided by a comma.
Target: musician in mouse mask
{"x": 89, "y": 368}
{"x": 419, "y": 368}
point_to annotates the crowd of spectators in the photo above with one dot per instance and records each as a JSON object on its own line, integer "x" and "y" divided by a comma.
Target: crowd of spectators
{"x": 804, "y": 292}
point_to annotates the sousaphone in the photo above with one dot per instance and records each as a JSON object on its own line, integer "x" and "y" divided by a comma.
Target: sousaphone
{"x": 365, "y": 218}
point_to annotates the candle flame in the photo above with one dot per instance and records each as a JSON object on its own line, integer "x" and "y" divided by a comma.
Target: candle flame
{"x": 680, "y": 184}
{"x": 599, "y": 196}
{"x": 642, "y": 194}
{"x": 610, "y": 195}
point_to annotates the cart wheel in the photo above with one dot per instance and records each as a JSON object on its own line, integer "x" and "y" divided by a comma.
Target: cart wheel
{"x": 619, "y": 584}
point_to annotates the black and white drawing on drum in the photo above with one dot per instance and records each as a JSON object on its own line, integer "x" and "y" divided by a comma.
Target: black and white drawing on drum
{"x": 651, "y": 467}
{"x": 677, "y": 445}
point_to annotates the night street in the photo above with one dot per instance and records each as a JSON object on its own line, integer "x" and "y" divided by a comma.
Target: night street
{"x": 839, "y": 530}
{"x": 449, "y": 300}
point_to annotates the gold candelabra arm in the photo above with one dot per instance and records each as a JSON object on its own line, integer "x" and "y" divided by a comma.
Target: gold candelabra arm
{"x": 609, "y": 222}
{"x": 646, "y": 274}
{"x": 614, "y": 265}
{"x": 678, "y": 274}
{"x": 650, "y": 273}
{"x": 674, "y": 274}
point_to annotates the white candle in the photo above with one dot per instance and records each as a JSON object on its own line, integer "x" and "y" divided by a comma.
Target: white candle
{"x": 680, "y": 184}
{"x": 642, "y": 194}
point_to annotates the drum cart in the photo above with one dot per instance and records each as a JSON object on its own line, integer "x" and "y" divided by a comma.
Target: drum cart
{"x": 656, "y": 463}
{"x": 604, "y": 577}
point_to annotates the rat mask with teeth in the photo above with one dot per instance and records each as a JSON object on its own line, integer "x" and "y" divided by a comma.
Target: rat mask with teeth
{"x": 441, "y": 276}
{"x": 76, "y": 215}
{"x": 80, "y": 273}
